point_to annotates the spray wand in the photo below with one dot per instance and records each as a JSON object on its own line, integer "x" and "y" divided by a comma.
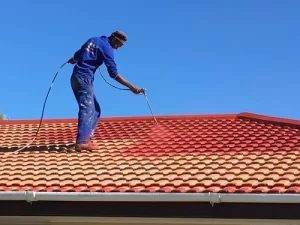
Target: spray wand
{"x": 144, "y": 92}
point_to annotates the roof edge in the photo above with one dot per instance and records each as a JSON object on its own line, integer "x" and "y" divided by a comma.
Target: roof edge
{"x": 269, "y": 119}
{"x": 31, "y": 196}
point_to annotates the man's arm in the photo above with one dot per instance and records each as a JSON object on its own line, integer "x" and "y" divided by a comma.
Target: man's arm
{"x": 113, "y": 72}
{"x": 124, "y": 82}
{"x": 76, "y": 55}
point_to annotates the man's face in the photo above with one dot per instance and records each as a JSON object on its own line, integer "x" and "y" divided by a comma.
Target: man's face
{"x": 115, "y": 43}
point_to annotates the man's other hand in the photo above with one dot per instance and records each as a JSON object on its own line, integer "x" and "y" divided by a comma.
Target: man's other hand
{"x": 72, "y": 61}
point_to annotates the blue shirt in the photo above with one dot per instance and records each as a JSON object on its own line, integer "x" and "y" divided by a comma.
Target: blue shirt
{"x": 92, "y": 54}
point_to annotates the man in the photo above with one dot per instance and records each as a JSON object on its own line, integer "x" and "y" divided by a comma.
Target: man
{"x": 87, "y": 59}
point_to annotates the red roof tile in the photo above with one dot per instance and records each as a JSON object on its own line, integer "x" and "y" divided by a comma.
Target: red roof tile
{"x": 212, "y": 153}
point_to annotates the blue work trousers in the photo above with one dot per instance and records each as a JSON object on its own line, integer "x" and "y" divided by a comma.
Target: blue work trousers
{"x": 89, "y": 108}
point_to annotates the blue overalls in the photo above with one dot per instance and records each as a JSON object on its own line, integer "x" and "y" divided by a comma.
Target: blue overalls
{"x": 89, "y": 57}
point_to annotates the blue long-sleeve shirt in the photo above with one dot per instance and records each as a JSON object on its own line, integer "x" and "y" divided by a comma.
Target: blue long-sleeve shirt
{"x": 92, "y": 54}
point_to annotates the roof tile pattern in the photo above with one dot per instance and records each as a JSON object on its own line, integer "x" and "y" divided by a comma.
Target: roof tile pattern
{"x": 216, "y": 153}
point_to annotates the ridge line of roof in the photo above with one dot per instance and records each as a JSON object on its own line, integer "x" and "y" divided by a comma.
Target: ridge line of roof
{"x": 269, "y": 119}
{"x": 242, "y": 115}
{"x": 124, "y": 118}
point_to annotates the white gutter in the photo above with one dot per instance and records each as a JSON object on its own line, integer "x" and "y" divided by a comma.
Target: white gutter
{"x": 212, "y": 198}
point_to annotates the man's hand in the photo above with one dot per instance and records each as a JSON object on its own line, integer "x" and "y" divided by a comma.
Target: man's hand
{"x": 136, "y": 90}
{"x": 72, "y": 61}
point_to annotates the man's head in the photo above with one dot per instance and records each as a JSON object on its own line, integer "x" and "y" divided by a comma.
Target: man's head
{"x": 117, "y": 39}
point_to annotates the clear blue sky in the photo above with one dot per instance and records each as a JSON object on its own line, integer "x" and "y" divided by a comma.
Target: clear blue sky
{"x": 193, "y": 57}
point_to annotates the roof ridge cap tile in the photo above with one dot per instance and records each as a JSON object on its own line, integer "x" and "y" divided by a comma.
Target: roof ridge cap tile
{"x": 124, "y": 118}
{"x": 269, "y": 119}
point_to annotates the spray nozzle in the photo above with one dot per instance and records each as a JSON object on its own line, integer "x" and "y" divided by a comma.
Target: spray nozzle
{"x": 143, "y": 90}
